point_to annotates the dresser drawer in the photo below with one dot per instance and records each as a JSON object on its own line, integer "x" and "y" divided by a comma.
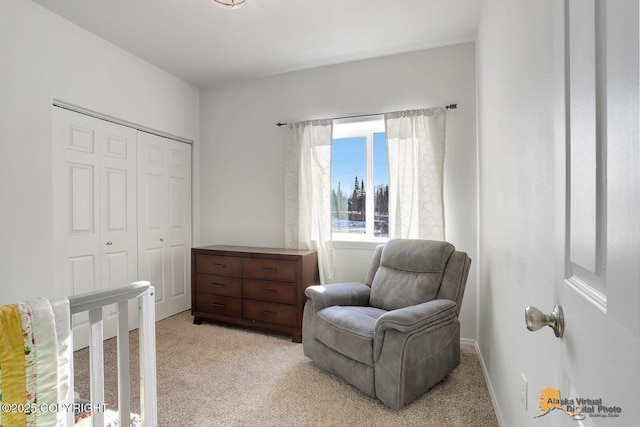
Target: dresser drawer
{"x": 265, "y": 290}
{"x": 220, "y": 265}
{"x": 216, "y": 304}
{"x": 269, "y": 269}
{"x": 219, "y": 285}
{"x": 280, "y": 314}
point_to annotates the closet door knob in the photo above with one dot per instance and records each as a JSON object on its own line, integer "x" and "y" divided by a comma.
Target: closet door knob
{"x": 162, "y": 239}
{"x": 536, "y": 319}
{"x": 109, "y": 243}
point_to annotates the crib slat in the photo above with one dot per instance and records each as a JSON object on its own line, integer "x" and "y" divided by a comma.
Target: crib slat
{"x": 147, "y": 342}
{"x": 70, "y": 419}
{"x": 96, "y": 355}
{"x": 124, "y": 383}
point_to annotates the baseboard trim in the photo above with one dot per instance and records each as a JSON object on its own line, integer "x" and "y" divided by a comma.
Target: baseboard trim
{"x": 492, "y": 394}
{"x": 467, "y": 341}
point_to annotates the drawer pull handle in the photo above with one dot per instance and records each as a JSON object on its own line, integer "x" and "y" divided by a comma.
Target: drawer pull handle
{"x": 270, "y": 270}
{"x": 267, "y": 291}
{"x": 215, "y": 304}
{"x": 218, "y": 265}
{"x": 268, "y": 313}
{"x": 217, "y": 285}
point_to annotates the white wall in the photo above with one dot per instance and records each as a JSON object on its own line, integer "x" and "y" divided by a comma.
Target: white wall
{"x": 242, "y": 151}
{"x": 45, "y": 57}
{"x": 518, "y": 71}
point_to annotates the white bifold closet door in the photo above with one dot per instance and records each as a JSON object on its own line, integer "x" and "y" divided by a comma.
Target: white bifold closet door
{"x": 164, "y": 221}
{"x": 94, "y": 212}
{"x": 121, "y": 213}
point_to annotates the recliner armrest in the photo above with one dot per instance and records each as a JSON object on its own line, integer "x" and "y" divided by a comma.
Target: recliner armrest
{"x": 414, "y": 318}
{"x": 347, "y": 293}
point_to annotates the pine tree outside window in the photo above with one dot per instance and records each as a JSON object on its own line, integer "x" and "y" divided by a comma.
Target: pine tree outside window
{"x": 359, "y": 168}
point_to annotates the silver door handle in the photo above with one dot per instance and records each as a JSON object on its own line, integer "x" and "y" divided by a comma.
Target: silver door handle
{"x": 536, "y": 319}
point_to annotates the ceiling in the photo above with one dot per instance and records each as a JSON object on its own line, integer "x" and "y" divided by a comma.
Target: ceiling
{"x": 206, "y": 45}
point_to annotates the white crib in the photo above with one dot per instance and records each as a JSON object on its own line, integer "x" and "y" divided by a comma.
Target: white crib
{"x": 93, "y": 303}
{"x": 36, "y": 360}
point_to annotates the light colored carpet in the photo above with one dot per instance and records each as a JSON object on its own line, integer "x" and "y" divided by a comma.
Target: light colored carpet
{"x": 211, "y": 375}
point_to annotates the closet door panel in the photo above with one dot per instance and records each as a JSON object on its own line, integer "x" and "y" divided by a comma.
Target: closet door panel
{"x": 155, "y": 211}
{"x": 116, "y": 200}
{"x": 118, "y": 194}
{"x": 152, "y": 268}
{"x": 151, "y": 213}
{"x": 178, "y": 286}
{"x": 82, "y": 279}
{"x": 179, "y": 230}
{"x": 176, "y": 202}
{"x": 164, "y": 220}
{"x": 81, "y": 198}
{"x": 94, "y": 210}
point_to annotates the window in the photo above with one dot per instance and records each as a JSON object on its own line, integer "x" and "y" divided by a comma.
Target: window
{"x": 359, "y": 167}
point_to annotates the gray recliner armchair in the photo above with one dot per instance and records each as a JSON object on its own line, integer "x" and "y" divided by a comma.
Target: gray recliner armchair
{"x": 398, "y": 334}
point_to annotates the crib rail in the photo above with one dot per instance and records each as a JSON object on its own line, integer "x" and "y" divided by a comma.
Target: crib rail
{"x": 92, "y": 303}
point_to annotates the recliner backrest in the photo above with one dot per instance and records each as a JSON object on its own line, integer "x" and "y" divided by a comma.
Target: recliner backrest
{"x": 455, "y": 279}
{"x": 410, "y": 272}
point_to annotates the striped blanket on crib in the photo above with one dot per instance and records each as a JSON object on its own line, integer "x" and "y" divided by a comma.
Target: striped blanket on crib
{"x": 35, "y": 363}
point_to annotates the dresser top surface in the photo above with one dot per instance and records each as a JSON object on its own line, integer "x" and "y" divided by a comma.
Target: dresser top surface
{"x": 255, "y": 250}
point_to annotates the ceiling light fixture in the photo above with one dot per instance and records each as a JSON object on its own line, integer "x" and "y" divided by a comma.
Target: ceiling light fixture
{"x": 230, "y": 4}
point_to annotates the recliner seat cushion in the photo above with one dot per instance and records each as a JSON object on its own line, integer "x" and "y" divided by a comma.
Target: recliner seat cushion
{"x": 410, "y": 273}
{"x": 348, "y": 330}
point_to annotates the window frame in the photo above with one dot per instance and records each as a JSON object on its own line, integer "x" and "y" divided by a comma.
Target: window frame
{"x": 361, "y": 127}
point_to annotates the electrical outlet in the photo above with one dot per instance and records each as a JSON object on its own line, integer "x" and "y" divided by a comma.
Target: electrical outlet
{"x": 524, "y": 391}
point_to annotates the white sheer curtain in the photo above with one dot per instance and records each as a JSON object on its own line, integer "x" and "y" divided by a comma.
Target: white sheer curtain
{"x": 416, "y": 145}
{"x": 308, "y": 191}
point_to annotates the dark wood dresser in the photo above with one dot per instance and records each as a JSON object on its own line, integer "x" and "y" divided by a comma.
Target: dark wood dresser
{"x": 255, "y": 288}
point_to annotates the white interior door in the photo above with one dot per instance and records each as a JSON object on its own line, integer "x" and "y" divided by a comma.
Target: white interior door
{"x": 94, "y": 193}
{"x": 164, "y": 222}
{"x": 598, "y": 284}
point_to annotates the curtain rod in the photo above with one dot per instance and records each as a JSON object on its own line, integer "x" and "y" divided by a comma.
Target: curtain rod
{"x": 448, "y": 107}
